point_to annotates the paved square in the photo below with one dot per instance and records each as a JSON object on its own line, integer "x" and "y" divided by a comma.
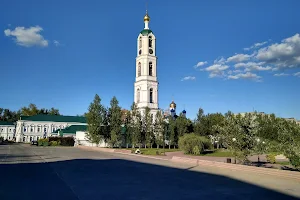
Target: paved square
{"x": 70, "y": 173}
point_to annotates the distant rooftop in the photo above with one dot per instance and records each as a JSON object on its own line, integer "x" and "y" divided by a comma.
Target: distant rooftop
{"x": 54, "y": 118}
{"x": 6, "y": 123}
{"x": 72, "y": 129}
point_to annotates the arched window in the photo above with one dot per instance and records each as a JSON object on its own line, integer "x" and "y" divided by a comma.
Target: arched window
{"x": 140, "y": 42}
{"x": 151, "y": 95}
{"x": 150, "y": 68}
{"x": 139, "y": 69}
{"x": 138, "y": 96}
{"x": 150, "y": 42}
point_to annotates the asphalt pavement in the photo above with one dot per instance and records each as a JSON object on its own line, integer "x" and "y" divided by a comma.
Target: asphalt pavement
{"x": 68, "y": 173}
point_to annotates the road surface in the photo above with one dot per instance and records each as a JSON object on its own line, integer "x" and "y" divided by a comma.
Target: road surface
{"x": 68, "y": 173}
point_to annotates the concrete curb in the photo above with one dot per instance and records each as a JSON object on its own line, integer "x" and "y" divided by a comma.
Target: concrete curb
{"x": 275, "y": 172}
{"x": 198, "y": 162}
{"x": 118, "y": 151}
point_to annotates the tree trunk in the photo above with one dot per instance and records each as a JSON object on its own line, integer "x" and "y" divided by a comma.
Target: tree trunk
{"x": 169, "y": 146}
{"x": 127, "y": 146}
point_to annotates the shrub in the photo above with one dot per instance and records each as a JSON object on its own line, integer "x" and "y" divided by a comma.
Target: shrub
{"x": 63, "y": 141}
{"x": 271, "y": 158}
{"x": 54, "y": 143}
{"x": 43, "y": 142}
{"x": 193, "y": 144}
{"x": 196, "y": 150}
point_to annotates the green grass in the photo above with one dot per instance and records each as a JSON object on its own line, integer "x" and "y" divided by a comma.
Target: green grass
{"x": 283, "y": 163}
{"x": 218, "y": 154}
{"x": 154, "y": 151}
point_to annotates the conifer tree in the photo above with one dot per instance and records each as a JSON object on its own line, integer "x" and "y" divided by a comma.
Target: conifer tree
{"x": 96, "y": 121}
{"x": 135, "y": 126}
{"x": 115, "y": 122}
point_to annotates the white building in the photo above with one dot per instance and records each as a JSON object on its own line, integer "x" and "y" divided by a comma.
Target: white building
{"x": 7, "y": 130}
{"x": 29, "y": 128}
{"x": 146, "y": 83}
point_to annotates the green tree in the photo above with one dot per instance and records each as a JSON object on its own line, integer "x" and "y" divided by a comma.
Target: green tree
{"x": 159, "y": 129}
{"x": 128, "y": 134}
{"x": 96, "y": 117}
{"x": 148, "y": 128}
{"x": 135, "y": 126}
{"x": 32, "y": 109}
{"x": 172, "y": 134}
{"x": 198, "y": 121}
{"x": 239, "y": 133}
{"x": 115, "y": 122}
{"x": 181, "y": 124}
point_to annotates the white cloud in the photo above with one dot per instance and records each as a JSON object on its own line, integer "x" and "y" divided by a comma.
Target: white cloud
{"x": 200, "y": 64}
{"x": 247, "y": 75}
{"x": 248, "y": 64}
{"x": 216, "y": 67}
{"x": 281, "y": 74}
{"x": 27, "y": 36}
{"x": 253, "y": 66}
{"x": 264, "y": 56}
{"x": 216, "y": 70}
{"x": 258, "y": 68}
{"x": 188, "y": 78}
{"x": 282, "y": 55}
{"x": 56, "y": 43}
{"x": 239, "y": 58}
{"x": 220, "y": 60}
{"x": 256, "y": 45}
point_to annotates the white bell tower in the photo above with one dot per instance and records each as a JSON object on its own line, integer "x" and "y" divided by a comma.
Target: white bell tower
{"x": 146, "y": 84}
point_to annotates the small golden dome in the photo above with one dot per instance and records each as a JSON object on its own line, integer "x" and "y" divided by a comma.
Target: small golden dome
{"x": 173, "y": 105}
{"x": 146, "y": 18}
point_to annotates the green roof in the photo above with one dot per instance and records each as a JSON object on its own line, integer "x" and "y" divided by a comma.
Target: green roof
{"x": 54, "y": 118}
{"x": 6, "y": 123}
{"x": 72, "y": 129}
{"x": 146, "y": 32}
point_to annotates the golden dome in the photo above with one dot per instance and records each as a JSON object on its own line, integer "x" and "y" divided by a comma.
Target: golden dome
{"x": 173, "y": 105}
{"x": 146, "y": 18}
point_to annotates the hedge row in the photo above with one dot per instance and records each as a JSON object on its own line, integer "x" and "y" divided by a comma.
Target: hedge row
{"x": 56, "y": 141}
{"x": 63, "y": 141}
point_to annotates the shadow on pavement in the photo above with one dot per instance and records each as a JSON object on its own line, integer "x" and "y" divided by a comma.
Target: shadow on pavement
{"x": 87, "y": 179}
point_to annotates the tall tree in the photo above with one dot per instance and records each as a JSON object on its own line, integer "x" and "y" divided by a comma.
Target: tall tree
{"x": 115, "y": 122}
{"x": 96, "y": 117}
{"x": 159, "y": 129}
{"x": 135, "y": 126}
{"x": 239, "y": 133}
{"x": 148, "y": 127}
{"x": 172, "y": 134}
{"x": 53, "y": 111}
{"x": 200, "y": 116}
{"x": 32, "y": 109}
{"x": 181, "y": 124}
{"x": 128, "y": 133}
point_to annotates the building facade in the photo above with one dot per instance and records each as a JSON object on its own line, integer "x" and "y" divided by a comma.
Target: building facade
{"x": 146, "y": 83}
{"x": 7, "y": 130}
{"x": 30, "y": 128}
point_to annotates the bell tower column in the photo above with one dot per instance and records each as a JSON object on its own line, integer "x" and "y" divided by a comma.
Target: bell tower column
{"x": 146, "y": 84}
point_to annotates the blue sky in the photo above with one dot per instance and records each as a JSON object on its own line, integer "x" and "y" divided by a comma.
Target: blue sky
{"x": 234, "y": 55}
